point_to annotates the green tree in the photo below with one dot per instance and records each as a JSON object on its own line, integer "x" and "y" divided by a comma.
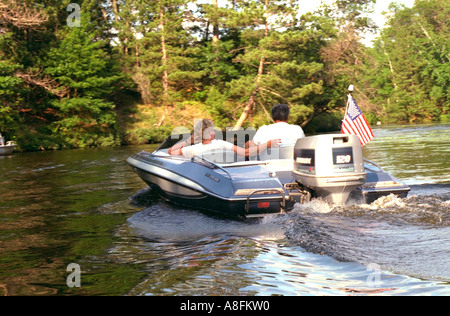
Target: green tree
{"x": 11, "y": 88}
{"x": 161, "y": 51}
{"x": 260, "y": 20}
{"x": 90, "y": 77}
{"x": 413, "y": 59}
{"x": 22, "y": 37}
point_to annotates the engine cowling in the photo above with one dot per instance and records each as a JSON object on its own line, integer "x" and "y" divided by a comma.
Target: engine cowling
{"x": 331, "y": 165}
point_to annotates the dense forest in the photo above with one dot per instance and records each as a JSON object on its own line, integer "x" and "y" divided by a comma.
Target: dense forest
{"x": 83, "y": 73}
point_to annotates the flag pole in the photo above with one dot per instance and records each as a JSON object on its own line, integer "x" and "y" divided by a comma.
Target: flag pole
{"x": 350, "y": 90}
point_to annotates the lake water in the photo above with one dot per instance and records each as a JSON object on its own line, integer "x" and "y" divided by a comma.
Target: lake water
{"x": 86, "y": 207}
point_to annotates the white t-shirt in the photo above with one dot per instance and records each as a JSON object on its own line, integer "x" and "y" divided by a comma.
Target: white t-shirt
{"x": 198, "y": 149}
{"x": 286, "y": 132}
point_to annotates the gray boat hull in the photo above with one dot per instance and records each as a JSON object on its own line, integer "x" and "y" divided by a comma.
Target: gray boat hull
{"x": 202, "y": 186}
{"x": 7, "y": 150}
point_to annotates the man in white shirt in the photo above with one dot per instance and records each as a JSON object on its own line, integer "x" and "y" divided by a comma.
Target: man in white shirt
{"x": 281, "y": 129}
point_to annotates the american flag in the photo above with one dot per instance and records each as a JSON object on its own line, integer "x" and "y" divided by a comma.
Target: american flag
{"x": 355, "y": 123}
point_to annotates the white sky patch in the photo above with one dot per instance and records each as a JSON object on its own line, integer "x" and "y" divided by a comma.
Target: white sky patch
{"x": 305, "y": 6}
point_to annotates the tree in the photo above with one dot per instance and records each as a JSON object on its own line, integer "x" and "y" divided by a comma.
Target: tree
{"x": 19, "y": 24}
{"x": 11, "y": 88}
{"x": 81, "y": 63}
{"x": 413, "y": 56}
{"x": 157, "y": 48}
{"x": 262, "y": 18}
{"x": 346, "y": 58}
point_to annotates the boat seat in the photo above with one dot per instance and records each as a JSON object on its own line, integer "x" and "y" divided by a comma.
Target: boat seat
{"x": 226, "y": 156}
{"x": 282, "y": 152}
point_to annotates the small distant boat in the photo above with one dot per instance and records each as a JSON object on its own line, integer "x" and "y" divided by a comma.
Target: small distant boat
{"x": 6, "y": 149}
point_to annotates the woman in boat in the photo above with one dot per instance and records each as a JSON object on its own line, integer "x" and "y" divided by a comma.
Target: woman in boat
{"x": 203, "y": 140}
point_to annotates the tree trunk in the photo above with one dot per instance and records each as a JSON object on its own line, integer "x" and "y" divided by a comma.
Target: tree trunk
{"x": 391, "y": 67}
{"x": 215, "y": 38}
{"x": 165, "y": 77}
{"x": 252, "y": 100}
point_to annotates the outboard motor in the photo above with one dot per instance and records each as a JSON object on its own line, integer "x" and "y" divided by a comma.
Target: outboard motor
{"x": 331, "y": 165}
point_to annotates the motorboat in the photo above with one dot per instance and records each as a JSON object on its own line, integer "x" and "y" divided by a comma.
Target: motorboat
{"x": 330, "y": 167}
{"x": 6, "y": 148}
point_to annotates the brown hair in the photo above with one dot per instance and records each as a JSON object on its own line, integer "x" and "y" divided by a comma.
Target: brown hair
{"x": 199, "y": 130}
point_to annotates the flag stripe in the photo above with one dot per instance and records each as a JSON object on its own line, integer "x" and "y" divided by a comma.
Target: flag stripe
{"x": 362, "y": 122}
{"x": 361, "y": 129}
{"x": 368, "y": 127}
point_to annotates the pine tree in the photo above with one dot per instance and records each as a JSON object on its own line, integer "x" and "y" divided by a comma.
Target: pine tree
{"x": 163, "y": 51}
{"x": 262, "y": 18}
{"x": 11, "y": 88}
{"x": 23, "y": 36}
{"x": 81, "y": 64}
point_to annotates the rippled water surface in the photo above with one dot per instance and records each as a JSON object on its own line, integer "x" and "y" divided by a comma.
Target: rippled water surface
{"x": 87, "y": 207}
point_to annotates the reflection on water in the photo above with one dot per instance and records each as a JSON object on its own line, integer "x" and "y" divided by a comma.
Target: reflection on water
{"x": 50, "y": 216}
{"x": 74, "y": 206}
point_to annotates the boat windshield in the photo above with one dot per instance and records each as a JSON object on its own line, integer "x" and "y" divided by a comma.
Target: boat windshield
{"x": 225, "y": 157}
{"x": 238, "y": 138}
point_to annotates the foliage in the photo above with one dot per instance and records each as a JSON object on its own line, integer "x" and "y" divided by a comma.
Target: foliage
{"x": 10, "y": 96}
{"x": 91, "y": 77}
{"x": 412, "y": 69}
{"x": 134, "y": 70}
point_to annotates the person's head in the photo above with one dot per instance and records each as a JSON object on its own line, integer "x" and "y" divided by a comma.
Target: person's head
{"x": 280, "y": 112}
{"x": 204, "y": 130}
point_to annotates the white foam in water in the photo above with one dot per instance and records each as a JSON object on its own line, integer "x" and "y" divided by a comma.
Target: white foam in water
{"x": 315, "y": 206}
{"x": 387, "y": 201}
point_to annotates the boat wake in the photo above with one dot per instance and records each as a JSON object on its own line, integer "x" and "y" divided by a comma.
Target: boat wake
{"x": 409, "y": 236}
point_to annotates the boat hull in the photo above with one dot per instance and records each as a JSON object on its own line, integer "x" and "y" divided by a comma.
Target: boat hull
{"x": 205, "y": 189}
{"x": 235, "y": 209}
{"x": 7, "y": 150}
{"x": 379, "y": 184}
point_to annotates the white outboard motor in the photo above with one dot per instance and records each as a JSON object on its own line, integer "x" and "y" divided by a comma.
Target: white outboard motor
{"x": 331, "y": 165}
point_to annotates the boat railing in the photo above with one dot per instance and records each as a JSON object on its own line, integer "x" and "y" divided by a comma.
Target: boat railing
{"x": 374, "y": 164}
{"x": 210, "y": 164}
{"x": 266, "y": 191}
